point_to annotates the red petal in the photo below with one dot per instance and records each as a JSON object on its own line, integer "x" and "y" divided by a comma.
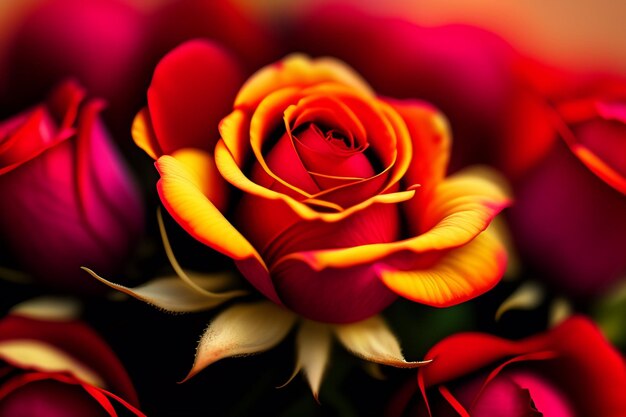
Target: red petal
{"x": 192, "y": 89}
{"x": 586, "y": 367}
{"x": 342, "y": 295}
{"x": 108, "y": 195}
{"x": 77, "y": 340}
{"x": 56, "y": 398}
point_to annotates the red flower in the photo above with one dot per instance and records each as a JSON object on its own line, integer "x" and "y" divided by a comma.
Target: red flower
{"x": 310, "y": 181}
{"x": 568, "y": 371}
{"x": 73, "y": 201}
{"x": 59, "y": 368}
{"x": 569, "y": 217}
{"x": 97, "y": 42}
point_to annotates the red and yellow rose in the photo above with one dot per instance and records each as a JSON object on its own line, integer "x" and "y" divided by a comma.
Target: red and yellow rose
{"x": 331, "y": 200}
{"x": 568, "y": 371}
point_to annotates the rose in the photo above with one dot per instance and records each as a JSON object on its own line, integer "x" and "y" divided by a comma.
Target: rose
{"x": 570, "y": 370}
{"x": 57, "y": 39}
{"x": 312, "y": 182}
{"x": 60, "y": 368}
{"x": 571, "y": 203}
{"x": 73, "y": 201}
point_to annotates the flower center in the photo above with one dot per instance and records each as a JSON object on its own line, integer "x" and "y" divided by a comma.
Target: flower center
{"x": 324, "y": 139}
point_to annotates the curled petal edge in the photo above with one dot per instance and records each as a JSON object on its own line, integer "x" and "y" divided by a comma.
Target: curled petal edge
{"x": 462, "y": 208}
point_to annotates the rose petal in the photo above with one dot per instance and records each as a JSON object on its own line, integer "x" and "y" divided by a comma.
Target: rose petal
{"x": 599, "y": 167}
{"x": 372, "y": 340}
{"x": 64, "y": 103}
{"x": 594, "y": 129}
{"x": 143, "y": 134}
{"x": 35, "y": 132}
{"x": 458, "y": 275}
{"x": 334, "y": 295}
{"x": 235, "y": 132}
{"x": 341, "y": 295}
{"x": 381, "y": 221}
{"x": 206, "y": 79}
{"x": 27, "y": 380}
{"x": 108, "y": 196}
{"x": 242, "y": 329}
{"x": 77, "y": 341}
{"x": 391, "y": 144}
{"x": 546, "y": 397}
{"x": 504, "y": 397}
{"x": 49, "y": 308}
{"x": 461, "y": 208}
{"x": 431, "y": 142}
{"x": 56, "y": 398}
{"x": 565, "y": 210}
{"x": 594, "y": 361}
{"x": 282, "y": 166}
{"x": 24, "y": 353}
{"x": 267, "y": 117}
{"x": 301, "y": 71}
{"x": 327, "y": 110}
{"x": 200, "y": 218}
{"x": 29, "y": 134}
{"x": 204, "y": 174}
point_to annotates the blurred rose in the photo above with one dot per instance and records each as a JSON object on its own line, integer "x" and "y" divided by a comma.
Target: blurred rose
{"x": 98, "y": 42}
{"x": 220, "y": 21}
{"x": 59, "y": 368}
{"x": 569, "y": 219}
{"x": 71, "y": 200}
{"x": 569, "y": 371}
{"x": 312, "y": 186}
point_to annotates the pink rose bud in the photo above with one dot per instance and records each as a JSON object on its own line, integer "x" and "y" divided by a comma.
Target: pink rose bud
{"x": 69, "y": 198}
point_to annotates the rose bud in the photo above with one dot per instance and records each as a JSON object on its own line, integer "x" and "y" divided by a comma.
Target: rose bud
{"x": 568, "y": 371}
{"x": 73, "y": 201}
{"x": 331, "y": 200}
{"x": 569, "y": 218}
{"x": 59, "y": 368}
{"x": 98, "y": 42}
